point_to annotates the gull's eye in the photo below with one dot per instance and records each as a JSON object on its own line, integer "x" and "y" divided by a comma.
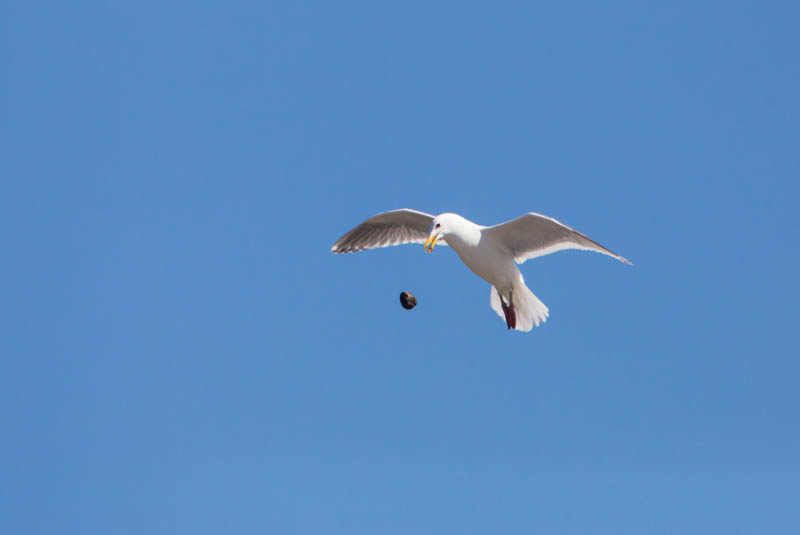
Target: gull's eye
{"x": 437, "y": 225}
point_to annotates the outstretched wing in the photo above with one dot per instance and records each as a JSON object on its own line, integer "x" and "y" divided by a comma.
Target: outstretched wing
{"x": 389, "y": 228}
{"x": 535, "y": 235}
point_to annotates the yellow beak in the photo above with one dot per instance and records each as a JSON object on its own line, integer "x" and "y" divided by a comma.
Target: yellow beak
{"x": 432, "y": 242}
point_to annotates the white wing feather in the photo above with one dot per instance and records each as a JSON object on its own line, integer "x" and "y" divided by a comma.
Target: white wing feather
{"x": 534, "y": 235}
{"x": 389, "y": 228}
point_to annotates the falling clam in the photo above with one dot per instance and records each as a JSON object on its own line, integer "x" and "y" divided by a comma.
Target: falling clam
{"x": 408, "y": 301}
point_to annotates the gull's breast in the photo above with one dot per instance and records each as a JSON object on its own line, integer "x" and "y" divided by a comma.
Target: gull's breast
{"x": 485, "y": 259}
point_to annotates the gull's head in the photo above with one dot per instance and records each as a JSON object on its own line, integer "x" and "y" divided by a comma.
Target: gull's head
{"x": 443, "y": 225}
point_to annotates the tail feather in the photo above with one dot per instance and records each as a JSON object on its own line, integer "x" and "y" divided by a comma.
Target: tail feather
{"x": 529, "y": 309}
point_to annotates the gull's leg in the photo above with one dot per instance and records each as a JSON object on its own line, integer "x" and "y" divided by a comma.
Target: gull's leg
{"x": 508, "y": 310}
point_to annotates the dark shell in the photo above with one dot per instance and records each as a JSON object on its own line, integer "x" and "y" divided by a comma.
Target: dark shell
{"x": 408, "y": 301}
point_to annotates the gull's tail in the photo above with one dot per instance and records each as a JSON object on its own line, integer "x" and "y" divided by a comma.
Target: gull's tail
{"x": 525, "y": 311}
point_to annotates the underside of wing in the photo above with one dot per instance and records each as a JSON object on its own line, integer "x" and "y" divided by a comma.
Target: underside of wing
{"x": 389, "y": 228}
{"x": 534, "y": 235}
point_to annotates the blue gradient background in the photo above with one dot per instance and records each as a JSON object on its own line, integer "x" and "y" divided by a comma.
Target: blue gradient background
{"x": 180, "y": 352}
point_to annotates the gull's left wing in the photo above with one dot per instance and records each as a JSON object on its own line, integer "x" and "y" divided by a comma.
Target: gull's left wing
{"x": 535, "y": 235}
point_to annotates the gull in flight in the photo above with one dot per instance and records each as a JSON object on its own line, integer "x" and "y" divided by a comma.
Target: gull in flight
{"x": 490, "y": 252}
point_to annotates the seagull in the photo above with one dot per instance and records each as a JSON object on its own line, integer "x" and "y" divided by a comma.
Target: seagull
{"x": 490, "y": 252}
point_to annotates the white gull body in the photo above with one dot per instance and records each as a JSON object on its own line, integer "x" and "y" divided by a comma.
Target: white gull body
{"x": 490, "y": 252}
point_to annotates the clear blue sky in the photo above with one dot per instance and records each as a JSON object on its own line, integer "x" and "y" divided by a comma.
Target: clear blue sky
{"x": 181, "y": 353}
